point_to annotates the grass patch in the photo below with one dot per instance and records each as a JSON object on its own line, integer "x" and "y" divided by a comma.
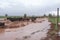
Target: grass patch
{"x": 54, "y": 21}
{"x": 10, "y": 16}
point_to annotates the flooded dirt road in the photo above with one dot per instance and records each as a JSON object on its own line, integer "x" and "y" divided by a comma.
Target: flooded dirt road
{"x": 33, "y": 31}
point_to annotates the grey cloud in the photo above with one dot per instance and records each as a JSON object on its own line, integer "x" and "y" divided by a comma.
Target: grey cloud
{"x": 20, "y": 9}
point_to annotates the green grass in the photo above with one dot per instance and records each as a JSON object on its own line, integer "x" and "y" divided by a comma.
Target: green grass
{"x": 54, "y": 21}
{"x": 2, "y": 16}
{"x": 11, "y": 16}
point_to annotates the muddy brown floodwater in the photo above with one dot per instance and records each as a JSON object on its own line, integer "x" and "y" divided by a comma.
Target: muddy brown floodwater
{"x": 33, "y": 31}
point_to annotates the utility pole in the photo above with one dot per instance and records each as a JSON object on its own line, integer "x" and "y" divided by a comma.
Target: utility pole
{"x": 57, "y": 20}
{"x": 56, "y": 27}
{"x": 57, "y": 16}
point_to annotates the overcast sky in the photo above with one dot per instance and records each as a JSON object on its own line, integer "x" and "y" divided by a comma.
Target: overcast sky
{"x": 30, "y": 7}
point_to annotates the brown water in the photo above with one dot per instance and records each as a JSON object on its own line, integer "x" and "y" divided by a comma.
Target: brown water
{"x": 34, "y": 31}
